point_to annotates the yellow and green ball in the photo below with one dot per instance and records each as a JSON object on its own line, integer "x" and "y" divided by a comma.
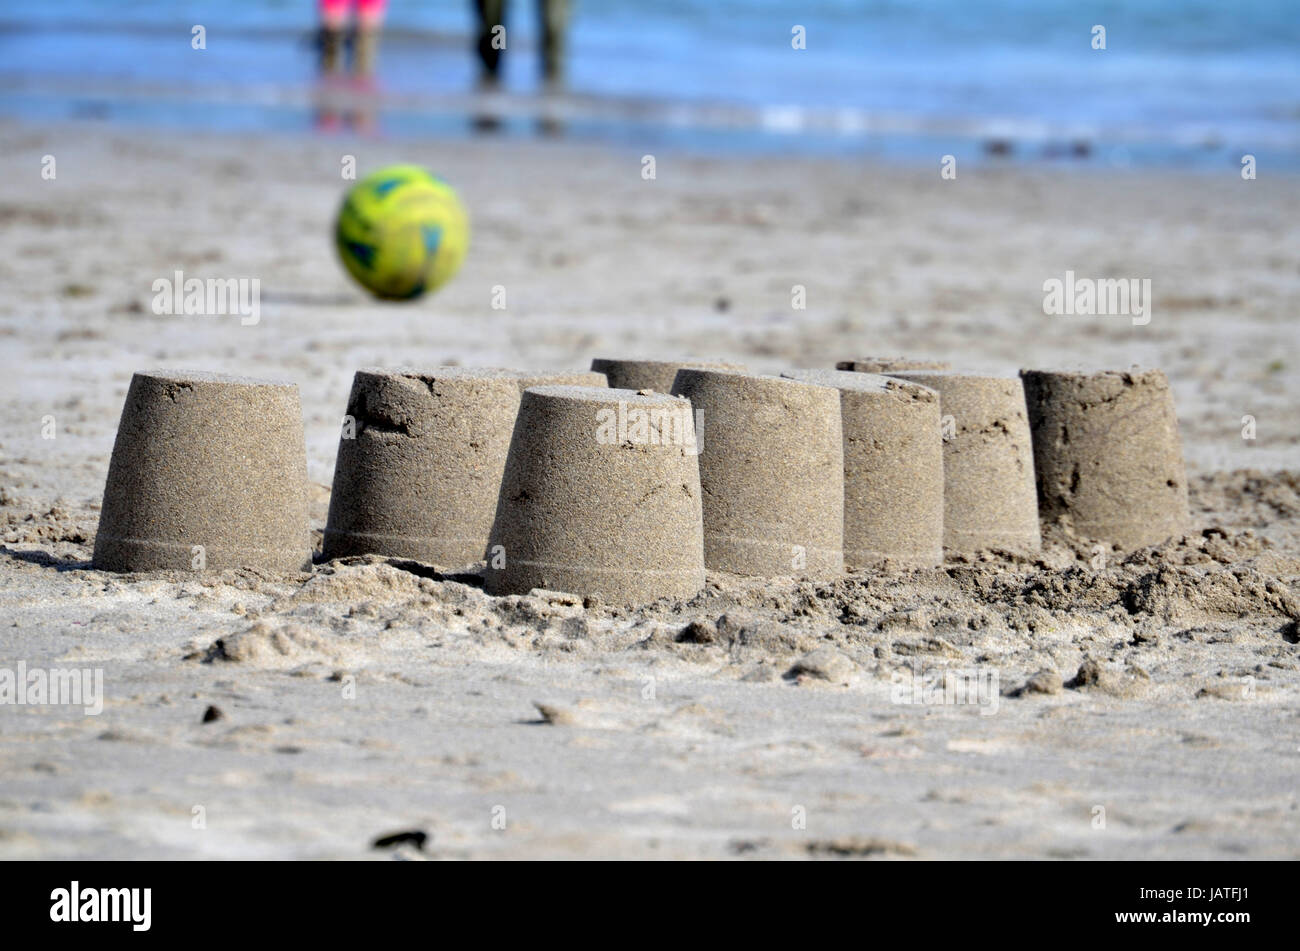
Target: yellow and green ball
{"x": 402, "y": 232}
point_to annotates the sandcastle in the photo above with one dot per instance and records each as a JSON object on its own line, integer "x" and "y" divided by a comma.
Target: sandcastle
{"x": 601, "y": 498}
{"x": 527, "y": 378}
{"x": 657, "y": 375}
{"x": 420, "y": 460}
{"x": 1107, "y": 454}
{"x": 890, "y": 365}
{"x": 772, "y": 470}
{"x": 893, "y": 468}
{"x": 419, "y": 463}
{"x": 990, "y": 498}
{"x": 208, "y": 471}
{"x": 626, "y": 496}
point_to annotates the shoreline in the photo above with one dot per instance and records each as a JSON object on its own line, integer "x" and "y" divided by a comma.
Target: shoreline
{"x": 703, "y": 128}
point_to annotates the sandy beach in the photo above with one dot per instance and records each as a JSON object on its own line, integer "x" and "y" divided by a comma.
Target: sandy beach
{"x": 1141, "y": 706}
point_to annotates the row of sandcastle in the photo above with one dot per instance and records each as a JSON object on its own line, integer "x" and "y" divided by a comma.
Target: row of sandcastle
{"x": 627, "y": 482}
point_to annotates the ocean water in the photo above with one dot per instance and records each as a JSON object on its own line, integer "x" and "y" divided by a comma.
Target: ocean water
{"x": 1196, "y": 82}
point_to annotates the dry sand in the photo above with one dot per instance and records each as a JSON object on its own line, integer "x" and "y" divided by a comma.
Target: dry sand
{"x": 1159, "y": 692}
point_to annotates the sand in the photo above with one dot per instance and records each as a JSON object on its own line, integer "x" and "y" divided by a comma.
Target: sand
{"x": 893, "y": 468}
{"x": 208, "y": 472}
{"x": 375, "y": 697}
{"x": 419, "y": 467}
{"x": 989, "y": 497}
{"x": 771, "y": 467}
{"x": 1107, "y": 458}
{"x": 657, "y": 375}
{"x": 600, "y": 499}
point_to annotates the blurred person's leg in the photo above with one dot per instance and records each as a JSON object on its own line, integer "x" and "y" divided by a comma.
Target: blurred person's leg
{"x": 553, "y": 21}
{"x": 329, "y": 42}
{"x": 491, "y": 14}
{"x": 333, "y": 18}
{"x": 370, "y": 20}
{"x": 553, "y": 15}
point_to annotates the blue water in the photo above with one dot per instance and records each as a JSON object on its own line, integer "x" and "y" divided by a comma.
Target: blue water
{"x": 1190, "y": 82}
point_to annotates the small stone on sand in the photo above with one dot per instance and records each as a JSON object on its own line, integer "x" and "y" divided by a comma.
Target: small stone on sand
{"x": 824, "y": 663}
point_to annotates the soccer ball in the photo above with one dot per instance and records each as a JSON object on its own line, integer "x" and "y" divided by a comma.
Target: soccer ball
{"x": 401, "y": 232}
